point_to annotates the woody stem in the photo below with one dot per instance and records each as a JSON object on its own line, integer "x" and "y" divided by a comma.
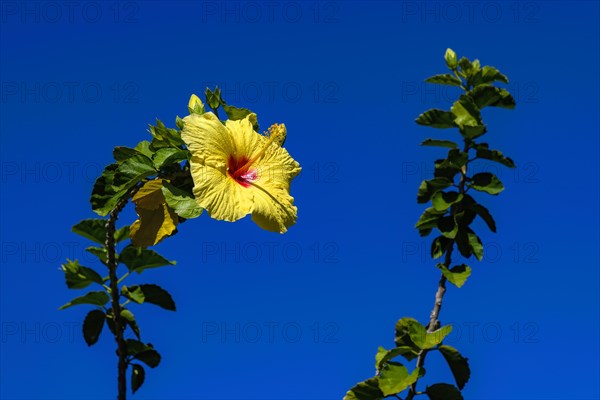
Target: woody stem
{"x": 115, "y": 296}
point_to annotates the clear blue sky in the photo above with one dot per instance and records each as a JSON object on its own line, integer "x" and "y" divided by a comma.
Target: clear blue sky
{"x": 300, "y": 316}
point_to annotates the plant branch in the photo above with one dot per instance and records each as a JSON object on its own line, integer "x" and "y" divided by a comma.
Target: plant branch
{"x": 115, "y": 296}
{"x": 434, "y": 316}
{"x": 441, "y": 289}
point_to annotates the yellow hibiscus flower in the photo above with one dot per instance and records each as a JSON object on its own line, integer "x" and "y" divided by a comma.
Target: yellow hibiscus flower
{"x": 237, "y": 171}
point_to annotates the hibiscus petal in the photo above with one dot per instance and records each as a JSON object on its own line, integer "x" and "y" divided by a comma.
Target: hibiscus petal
{"x": 277, "y": 168}
{"x": 273, "y": 209}
{"x": 247, "y": 142}
{"x": 208, "y": 139}
{"x": 219, "y": 194}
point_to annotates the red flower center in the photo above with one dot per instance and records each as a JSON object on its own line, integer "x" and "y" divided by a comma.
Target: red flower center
{"x": 240, "y": 172}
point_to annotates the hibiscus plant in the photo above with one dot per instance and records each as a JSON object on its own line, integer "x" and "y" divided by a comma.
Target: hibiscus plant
{"x": 224, "y": 167}
{"x": 453, "y": 209}
{"x": 229, "y": 169}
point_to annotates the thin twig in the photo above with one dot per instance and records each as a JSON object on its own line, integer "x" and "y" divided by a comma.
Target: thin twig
{"x": 434, "y": 316}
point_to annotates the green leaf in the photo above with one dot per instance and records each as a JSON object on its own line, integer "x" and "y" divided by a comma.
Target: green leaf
{"x": 447, "y": 226}
{"x": 92, "y": 326}
{"x": 436, "y": 119}
{"x": 436, "y": 337}
{"x": 456, "y": 275}
{"x": 483, "y": 151}
{"x": 468, "y": 243}
{"x": 488, "y": 75}
{"x": 154, "y": 294}
{"x": 466, "y": 112}
{"x": 444, "y": 169}
{"x": 429, "y": 187}
{"x": 462, "y": 243}
{"x": 486, "y": 182}
{"x": 136, "y": 168}
{"x": 423, "y": 195}
{"x": 439, "y": 143}
{"x": 429, "y": 218}
{"x": 407, "y": 330}
{"x": 383, "y": 355}
{"x": 106, "y": 192}
{"x": 451, "y": 59}
{"x": 465, "y": 215}
{"x": 484, "y": 96}
{"x": 145, "y": 147}
{"x": 93, "y": 229}
{"x": 183, "y": 203}
{"x": 78, "y": 276}
{"x": 134, "y": 294}
{"x": 394, "y": 378}
{"x": 169, "y": 155}
{"x": 448, "y": 167}
{"x": 443, "y": 391}
{"x": 457, "y": 158}
{"x": 468, "y": 69}
{"x": 476, "y": 245}
{"x": 99, "y": 252}
{"x": 410, "y": 333}
{"x": 135, "y": 346}
{"x": 443, "y": 200}
{"x": 472, "y": 132}
{"x": 149, "y": 357}
{"x": 468, "y": 118}
{"x": 122, "y": 234}
{"x": 417, "y": 333}
{"x": 458, "y": 364}
{"x": 138, "y": 375}
{"x": 94, "y": 298}
{"x": 163, "y": 136}
{"x": 143, "y": 352}
{"x": 121, "y": 153}
{"x": 444, "y": 79}
{"x": 137, "y": 259}
{"x": 117, "y": 179}
{"x": 235, "y": 113}
{"x": 439, "y": 246}
{"x": 367, "y": 390}
{"x": 130, "y": 320}
{"x": 485, "y": 215}
{"x": 179, "y": 121}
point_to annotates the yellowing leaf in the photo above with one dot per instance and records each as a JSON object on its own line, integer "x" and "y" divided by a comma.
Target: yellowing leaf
{"x": 157, "y": 220}
{"x": 153, "y": 225}
{"x": 150, "y": 195}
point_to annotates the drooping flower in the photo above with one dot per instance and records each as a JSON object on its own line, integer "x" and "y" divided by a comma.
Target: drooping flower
{"x": 237, "y": 171}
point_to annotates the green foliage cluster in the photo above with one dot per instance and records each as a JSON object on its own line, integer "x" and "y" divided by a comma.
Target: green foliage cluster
{"x": 135, "y": 259}
{"x": 156, "y": 176}
{"x": 452, "y": 211}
